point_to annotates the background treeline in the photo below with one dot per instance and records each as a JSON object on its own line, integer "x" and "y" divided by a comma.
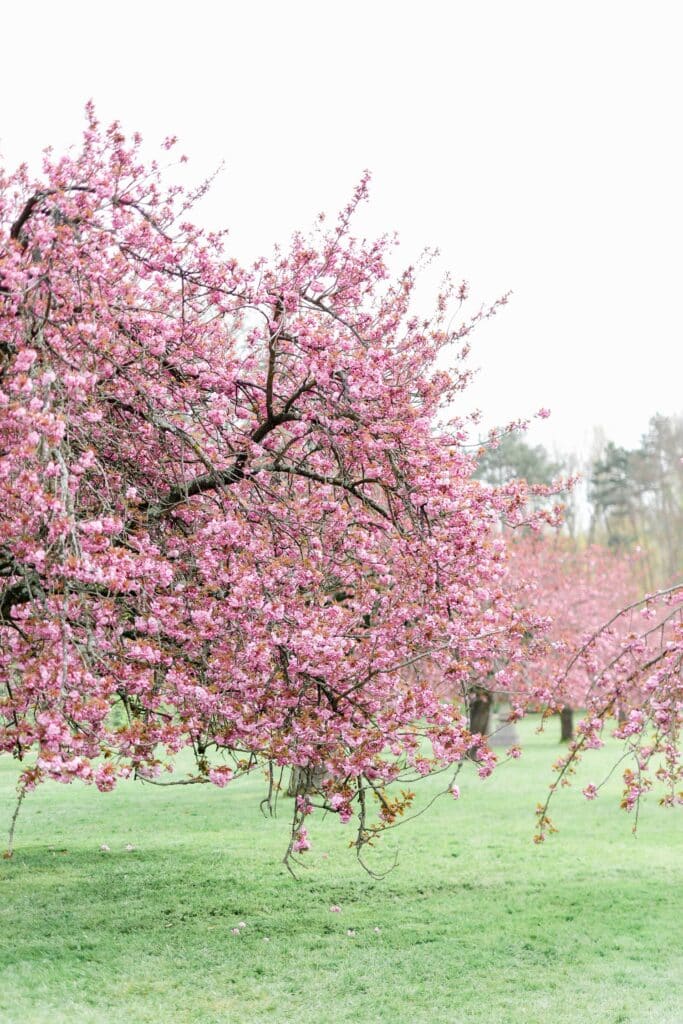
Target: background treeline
{"x": 632, "y": 499}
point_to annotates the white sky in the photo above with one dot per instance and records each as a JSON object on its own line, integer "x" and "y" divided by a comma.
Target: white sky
{"x": 537, "y": 144}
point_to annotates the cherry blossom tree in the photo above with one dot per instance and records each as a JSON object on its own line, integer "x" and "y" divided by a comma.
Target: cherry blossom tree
{"x": 236, "y": 502}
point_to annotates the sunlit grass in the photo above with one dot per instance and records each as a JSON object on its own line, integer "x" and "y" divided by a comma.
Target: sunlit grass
{"x": 477, "y": 923}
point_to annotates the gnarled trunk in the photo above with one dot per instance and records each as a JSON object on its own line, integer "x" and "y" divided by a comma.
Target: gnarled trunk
{"x": 479, "y": 713}
{"x": 303, "y": 781}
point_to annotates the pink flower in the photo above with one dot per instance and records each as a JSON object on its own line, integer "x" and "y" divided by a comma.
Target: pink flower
{"x": 220, "y": 776}
{"x": 302, "y": 842}
{"x": 455, "y": 791}
{"x": 590, "y": 792}
{"x": 335, "y": 909}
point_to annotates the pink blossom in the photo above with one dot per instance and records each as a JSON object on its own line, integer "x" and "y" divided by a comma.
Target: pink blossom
{"x": 220, "y": 776}
{"x": 302, "y": 841}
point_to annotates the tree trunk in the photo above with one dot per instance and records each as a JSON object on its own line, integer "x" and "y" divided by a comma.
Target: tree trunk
{"x": 303, "y": 781}
{"x": 566, "y": 725}
{"x": 480, "y": 712}
{"x": 479, "y": 706}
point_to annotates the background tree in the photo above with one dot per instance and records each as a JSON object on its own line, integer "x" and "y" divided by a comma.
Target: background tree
{"x": 614, "y": 498}
{"x": 506, "y": 459}
{"x": 578, "y": 588}
{"x": 513, "y": 458}
{"x": 636, "y": 497}
{"x": 640, "y": 674}
{"x": 657, "y": 467}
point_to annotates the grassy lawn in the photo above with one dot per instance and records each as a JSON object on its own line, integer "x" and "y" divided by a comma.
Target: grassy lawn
{"x": 478, "y": 924}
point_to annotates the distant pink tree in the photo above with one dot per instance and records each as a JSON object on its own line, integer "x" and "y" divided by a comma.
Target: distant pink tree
{"x": 634, "y": 665}
{"x": 578, "y": 588}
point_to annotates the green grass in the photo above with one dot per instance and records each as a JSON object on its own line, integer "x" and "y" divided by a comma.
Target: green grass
{"x": 479, "y": 925}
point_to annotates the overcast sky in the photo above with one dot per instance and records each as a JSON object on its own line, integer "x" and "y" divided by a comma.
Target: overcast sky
{"x": 536, "y": 144}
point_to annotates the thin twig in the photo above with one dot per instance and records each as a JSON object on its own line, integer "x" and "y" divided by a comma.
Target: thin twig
{"x": 10, "y": 838}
